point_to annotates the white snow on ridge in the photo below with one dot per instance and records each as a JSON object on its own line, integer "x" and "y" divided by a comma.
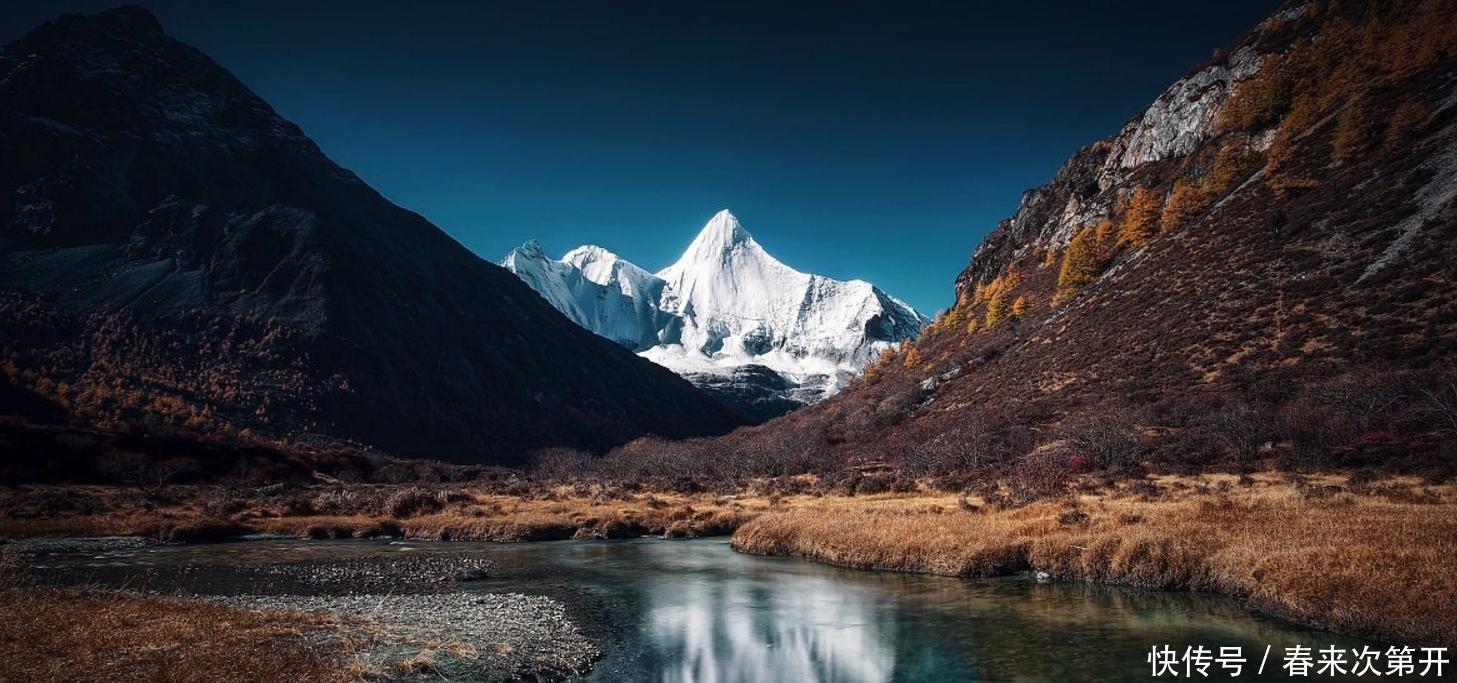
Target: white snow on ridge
{"x": 726, "y": 302}
{"x": 595, "y": 289}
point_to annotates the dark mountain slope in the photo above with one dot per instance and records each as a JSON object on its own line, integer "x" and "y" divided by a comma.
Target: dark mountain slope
{"x": 173, "y": 251}
{"x": 1264, "y": 256}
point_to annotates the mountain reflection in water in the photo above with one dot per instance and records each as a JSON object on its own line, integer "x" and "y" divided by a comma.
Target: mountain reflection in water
{"x": 694, "y": 610}
{"x": 798, "y": 629}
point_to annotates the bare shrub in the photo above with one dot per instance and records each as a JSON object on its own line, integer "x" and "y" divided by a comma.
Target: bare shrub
{"x": 297, "y": 504}
{"x": 1040, "y": 474}
{"x": 343, "y": 501}
{"x": 658, "y": 463}
{"x": 1144, "y": 489}
{"x": 878, "y": 482}
{"x": 412, "y": 501}
{"x": 52, "y": 501}
{"x": 970, "y": 443}
{"x": 223, "y": 502}
{"x": 1240, "y": 428}
{"x": 1367, "y": 398}
{"x": 560, "y": 465}
{"x": 610, "y": 493}
{"x": 1318, "y": 491}
{"x": 1361, "y": 481}
{"x": 394, "y": 473}
{"x": 1314, "y": 430}
{"x": 448, "y": 496}
{"x": 1106, "y": 438}
{"x": 1073, "y": 517}
{"x": 1441, "y": 405}
{"x": 150, "y": 476}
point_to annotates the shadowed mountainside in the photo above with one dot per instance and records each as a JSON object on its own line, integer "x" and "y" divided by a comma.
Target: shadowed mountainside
{"x": 174, "y": 252}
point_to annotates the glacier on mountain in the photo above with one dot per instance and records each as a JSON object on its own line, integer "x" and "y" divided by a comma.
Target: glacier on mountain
{"x": 725, "y": 304}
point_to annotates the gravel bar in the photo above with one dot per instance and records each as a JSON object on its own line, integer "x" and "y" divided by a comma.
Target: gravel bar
{"x": 458, "y": 636}
{"x": 424, "y": 572}
{"x": 98, "y": 544}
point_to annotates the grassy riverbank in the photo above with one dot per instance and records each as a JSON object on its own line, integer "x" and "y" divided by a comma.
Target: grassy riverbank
{"x": 437, "y": 512}
{"x": 1372, "y": 560}
{"x": 1372, "y": 557}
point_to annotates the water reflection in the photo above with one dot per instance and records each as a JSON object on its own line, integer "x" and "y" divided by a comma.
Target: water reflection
{"x": 742, "y": 629}
{"x": 679, "y": 611}
{"x": 699, "y": 612}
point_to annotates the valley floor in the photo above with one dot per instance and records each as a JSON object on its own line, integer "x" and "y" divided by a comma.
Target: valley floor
{"x": 1370, "y": 558}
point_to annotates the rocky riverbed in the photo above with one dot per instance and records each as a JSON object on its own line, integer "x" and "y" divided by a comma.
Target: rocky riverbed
{"x": 397, "y": 573}
{"x": 457, "y": 636}
{"x": 78, "y": 545}
{"x": 401, "y": 608}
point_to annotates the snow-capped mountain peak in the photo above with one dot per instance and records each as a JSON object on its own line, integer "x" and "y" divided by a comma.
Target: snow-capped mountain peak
{"x": 532, "y": 250}
{"x": 725, "y": 303}
{"x": 614, "y": 272}
{"x": 720, "y": 236}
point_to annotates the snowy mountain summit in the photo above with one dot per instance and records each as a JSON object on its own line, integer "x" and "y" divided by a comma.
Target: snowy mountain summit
{"x": 724, "y": 305}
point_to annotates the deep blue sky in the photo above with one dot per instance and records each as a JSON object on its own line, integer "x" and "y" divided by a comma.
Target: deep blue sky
{"x": 879, "y": 141}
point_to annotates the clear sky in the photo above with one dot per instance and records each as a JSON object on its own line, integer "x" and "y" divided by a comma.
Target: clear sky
{"x": 870, "y": 140}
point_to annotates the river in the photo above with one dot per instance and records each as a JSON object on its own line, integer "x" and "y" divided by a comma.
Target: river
{"x": 694, "y": 610}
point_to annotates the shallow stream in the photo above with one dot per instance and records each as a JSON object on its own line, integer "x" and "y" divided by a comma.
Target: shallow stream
{"x": 694, "y": 610}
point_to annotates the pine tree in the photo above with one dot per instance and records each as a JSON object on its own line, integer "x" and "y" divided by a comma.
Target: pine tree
{"x": 1355, "y": 131}
{"x": 1186, "y": 202}
{"x": 1142, "y": 220}
{"x": 998, "y": 309}
{"x": 912, "y": 356}
{"x": 999, "y": 295}
{"x": 1232, "y": 164}
{"x": 1083, "y": 261}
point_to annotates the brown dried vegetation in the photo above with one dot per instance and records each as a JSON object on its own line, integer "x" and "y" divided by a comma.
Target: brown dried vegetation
{"x": 509, "y": 512}
{"x": 1348, "y": 558}
{"x": 93, "y": 635}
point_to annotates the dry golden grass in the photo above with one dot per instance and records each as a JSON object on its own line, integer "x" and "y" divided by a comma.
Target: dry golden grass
{"x": 1372, "y": 559}
{"x": 90, "y": 635}
{"x": 1381, "y": 565}
{"x": 561, "y": 513}
{"x": 494, "y": 517}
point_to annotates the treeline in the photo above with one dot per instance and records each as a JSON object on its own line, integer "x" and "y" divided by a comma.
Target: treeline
{"x": 202, "y": 372}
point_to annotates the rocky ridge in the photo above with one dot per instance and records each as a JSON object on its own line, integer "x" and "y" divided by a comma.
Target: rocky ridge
{"x": 1182, "y": 118}
{"x": 1220, "y": 280}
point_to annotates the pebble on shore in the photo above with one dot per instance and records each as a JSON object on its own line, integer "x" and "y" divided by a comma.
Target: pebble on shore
{"x": 461, "y": 636}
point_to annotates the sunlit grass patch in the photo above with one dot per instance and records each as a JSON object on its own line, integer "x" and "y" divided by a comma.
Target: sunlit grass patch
{"x": 1363, "y": 564}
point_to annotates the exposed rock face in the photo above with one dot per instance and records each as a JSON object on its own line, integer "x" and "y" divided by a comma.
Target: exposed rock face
{"x": 172, "y": 250}
{"x": 754, "y": 390}
{"x": 1259, "y": 245}
{"x": 1183, "y": 117}
{"x": 1281, "y": 228}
